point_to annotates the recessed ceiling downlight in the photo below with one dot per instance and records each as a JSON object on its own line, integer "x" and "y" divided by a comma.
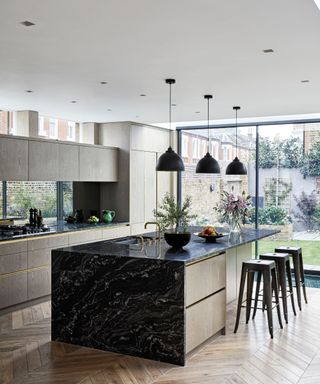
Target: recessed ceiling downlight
{"x": 269, "y": 50}
{"x": 305, "y": 81}
{"x": 103, "y": 82}
{"x": 73, "y": 101}
{"x": 27, "y": 23}
{"x": 29, "y": 91}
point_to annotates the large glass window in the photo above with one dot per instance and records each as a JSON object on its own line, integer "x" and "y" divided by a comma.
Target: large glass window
{"x": 59, "y": 129}
{"x": 1, "y": 198}
{"x": 23, "y": 195}
{"x": 205, "y": 189}
{"x": 7, "y": 122}
{"x": 67, "y": 188}
{"x": 289, "y": 188}
{"x": 43, "y": 195}
{"x": 288, "y": 185}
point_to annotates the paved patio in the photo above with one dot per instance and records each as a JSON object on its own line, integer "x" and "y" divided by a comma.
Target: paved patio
{"x": 306, "y": 235}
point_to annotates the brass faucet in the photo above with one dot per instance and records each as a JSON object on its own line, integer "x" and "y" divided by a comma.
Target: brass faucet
{"x": 157, "y": 225}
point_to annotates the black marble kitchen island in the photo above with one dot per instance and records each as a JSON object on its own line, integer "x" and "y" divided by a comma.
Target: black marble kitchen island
{"x": 142, "y": 300}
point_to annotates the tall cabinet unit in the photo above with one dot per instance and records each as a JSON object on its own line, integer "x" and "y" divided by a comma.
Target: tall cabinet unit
{"x": 147, "y": 187}
{"x": 139, "y": 187}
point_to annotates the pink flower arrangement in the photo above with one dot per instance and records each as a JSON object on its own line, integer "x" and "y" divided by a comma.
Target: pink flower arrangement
{"x": 234, "y": 209}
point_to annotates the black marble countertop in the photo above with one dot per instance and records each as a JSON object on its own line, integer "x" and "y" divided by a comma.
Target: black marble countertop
{"x": 64, "y": 227}
{"x": 197, "y": 249}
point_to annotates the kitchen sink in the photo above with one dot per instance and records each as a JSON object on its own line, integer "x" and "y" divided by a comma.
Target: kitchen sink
{"x": 132, "y": 240}
{"x": 136, "y": 240}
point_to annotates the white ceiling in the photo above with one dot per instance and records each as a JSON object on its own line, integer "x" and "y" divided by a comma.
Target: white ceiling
{"x": 208, "y": 46}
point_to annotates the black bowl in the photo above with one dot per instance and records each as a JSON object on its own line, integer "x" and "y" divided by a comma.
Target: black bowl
{"x": 177, "y": 240}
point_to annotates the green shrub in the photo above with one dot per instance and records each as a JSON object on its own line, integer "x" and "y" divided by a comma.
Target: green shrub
{"x": 272, "y": 215}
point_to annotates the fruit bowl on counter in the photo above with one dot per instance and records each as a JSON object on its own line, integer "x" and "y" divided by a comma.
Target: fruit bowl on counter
{"x": 210, "y": 234}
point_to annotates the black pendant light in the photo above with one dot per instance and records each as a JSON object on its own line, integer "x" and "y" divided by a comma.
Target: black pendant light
{"x": 208, "y": 164}
{"x": 170, "y": 160}
{"x": 236, "y": 167}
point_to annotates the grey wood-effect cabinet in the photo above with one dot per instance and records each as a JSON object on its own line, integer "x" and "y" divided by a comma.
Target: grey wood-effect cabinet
{"x": 98, "y": 164}
{"x": 25, "y": 265}
{"x": 32, "y": 159}
{"x": 235, "y": 257}
{"x": 69, "y": 167}
{"x": 13, "y": 159}
{"x": 143, "y": 189}
{"x": 205, "y": 299}
{"x": 43, "y": 160}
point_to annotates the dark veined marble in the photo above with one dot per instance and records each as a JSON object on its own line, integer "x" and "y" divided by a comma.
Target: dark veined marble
{"x": 125, "y": 305}
{"x": 196, "y": 250}
{"x": 128, "y": 297}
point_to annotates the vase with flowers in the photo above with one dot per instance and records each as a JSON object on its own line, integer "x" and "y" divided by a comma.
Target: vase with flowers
{"x": 234, "y": 209}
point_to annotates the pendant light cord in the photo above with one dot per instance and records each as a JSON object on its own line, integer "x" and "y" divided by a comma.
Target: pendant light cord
{"x": 208, "y": 127}
{"x": 170, "y": 106}
{"x": 236, "y": 108}
{"x": 237, "y": 132}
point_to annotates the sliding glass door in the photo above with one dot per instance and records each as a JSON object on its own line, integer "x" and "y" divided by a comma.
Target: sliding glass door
{"x": 205, "y": 189}
{"x": 289, "y": 187}
{"x": 283, "y": 180}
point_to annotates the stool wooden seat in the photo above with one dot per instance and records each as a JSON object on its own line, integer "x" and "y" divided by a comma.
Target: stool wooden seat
{"x": 268, "y": 269}
{"x": 283, "y": 273}
{"x": 296, "y": 254}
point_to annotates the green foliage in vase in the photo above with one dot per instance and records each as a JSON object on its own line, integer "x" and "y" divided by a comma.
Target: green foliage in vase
{"x": 171, "y": 215}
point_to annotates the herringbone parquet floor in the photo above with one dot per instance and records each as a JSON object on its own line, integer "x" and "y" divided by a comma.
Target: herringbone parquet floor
{"x": 249, "y": 357}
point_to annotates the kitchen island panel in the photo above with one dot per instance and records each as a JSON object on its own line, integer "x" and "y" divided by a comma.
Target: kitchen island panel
{"x": 125, "y": 305}
{"x": 204, "y": 278}
{"x": 204, "y": 319}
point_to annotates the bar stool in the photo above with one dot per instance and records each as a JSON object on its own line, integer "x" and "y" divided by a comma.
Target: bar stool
{"x": 296, "y": 254}
{"x": 282, "y": 262}
{"x": 268, "y": 269}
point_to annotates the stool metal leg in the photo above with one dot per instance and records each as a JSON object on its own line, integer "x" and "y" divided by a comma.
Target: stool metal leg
{"x": 256, "y": 295}
{"x": 241, "y": 290}
{"x": 296, "y": 268}
{"x": 302, "y": 278}
{"x": 276, "y": 295}
{"x": 268, "y": 299}
{"x": 289, "y": 277}
{"x": 283, "y": 286}
{"x": 250, "y": 279}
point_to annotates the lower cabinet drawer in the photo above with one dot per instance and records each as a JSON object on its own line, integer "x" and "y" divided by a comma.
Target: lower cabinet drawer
{"x": 205, "y": 319}
{"x": 13, "y": 289}
{"x": 82, "y": 237}
{"x": 39, "y": 257}
{"x": 13, "y": 263}
{"x": 205, "y": 277}
{"x": 113, "y": 233}
{"x": 39, "y": 283}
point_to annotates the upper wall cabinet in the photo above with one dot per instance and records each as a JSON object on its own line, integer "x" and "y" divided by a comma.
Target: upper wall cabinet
{"x": 43, "y": 160}
{"x": 69, "y": 168}
{"x": 13, "y": 159}
{"x": 98, "y": 164}
{"x": 47, "y": 160}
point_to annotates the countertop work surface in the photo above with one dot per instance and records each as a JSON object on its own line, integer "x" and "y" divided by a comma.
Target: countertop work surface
{"x": 196, "y": 250}
{"x": 63, "y": 227}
